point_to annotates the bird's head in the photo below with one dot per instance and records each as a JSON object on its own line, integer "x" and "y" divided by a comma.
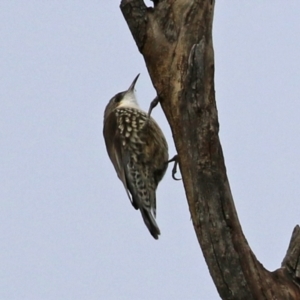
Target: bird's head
{"x": 123, "y": 99}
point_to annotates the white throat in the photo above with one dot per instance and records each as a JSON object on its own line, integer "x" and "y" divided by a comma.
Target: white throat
{"x": 129, "y": 100}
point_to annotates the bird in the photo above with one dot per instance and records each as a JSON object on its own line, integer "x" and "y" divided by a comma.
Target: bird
{"x": 138, "y": 151}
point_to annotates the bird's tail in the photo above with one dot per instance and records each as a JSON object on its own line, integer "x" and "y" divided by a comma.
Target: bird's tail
{"x": 150, "y": 222}
{"x": 144, "y": 198}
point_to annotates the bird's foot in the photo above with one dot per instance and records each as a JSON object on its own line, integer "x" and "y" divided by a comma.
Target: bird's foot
{"x": 153, "y": 104}
{"x": 174, "y": 170}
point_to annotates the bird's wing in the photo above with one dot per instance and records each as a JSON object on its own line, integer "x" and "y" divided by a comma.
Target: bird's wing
{"x": 142, "y": 194}
{"x": 117, "y": 155}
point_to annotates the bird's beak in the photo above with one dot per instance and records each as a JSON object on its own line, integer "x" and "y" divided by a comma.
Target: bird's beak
{"x": 131, "y": 88}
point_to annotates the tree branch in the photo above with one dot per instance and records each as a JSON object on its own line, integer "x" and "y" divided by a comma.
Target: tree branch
{"x": 175, "y": 39}
{"x": 291, "y": 261}
{"x": 136, "y": 17}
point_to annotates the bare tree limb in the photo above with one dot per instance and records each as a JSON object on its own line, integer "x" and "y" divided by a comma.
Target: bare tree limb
{"x": 291, "y": 261}
{"x": 175, "y": 39}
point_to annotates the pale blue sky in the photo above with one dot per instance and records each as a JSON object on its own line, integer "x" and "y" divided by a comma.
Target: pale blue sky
{"x": 67, "y": 228}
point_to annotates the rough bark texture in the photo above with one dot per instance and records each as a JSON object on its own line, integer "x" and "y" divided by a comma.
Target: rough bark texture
{"x": 175, "y": 39}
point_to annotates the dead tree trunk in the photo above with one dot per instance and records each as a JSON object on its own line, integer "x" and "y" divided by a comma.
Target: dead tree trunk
{"x": 175, "y": 39}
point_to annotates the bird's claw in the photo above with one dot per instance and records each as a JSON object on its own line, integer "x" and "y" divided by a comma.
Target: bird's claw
{"x": 174, "y": 170}
{"x": 153, "y": 104}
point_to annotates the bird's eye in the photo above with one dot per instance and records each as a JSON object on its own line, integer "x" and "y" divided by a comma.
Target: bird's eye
{"x": 118, "y": 97}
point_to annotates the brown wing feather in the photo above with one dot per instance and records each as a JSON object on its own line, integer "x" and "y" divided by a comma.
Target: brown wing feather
{"x": 115, "y": 152}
